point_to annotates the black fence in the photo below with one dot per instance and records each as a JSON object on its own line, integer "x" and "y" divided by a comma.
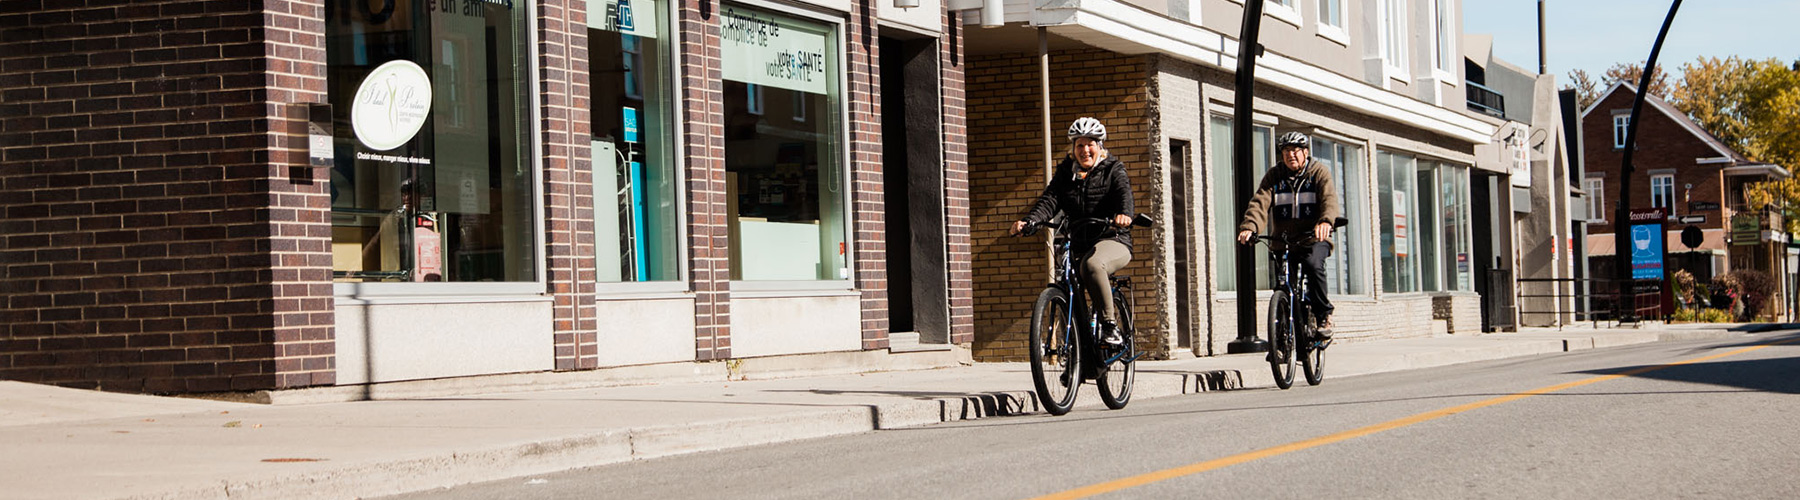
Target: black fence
{"x": 1591, "y": 300}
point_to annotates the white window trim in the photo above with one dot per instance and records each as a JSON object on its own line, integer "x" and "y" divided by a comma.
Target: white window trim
{"x": 1668, "y": 203}
{"x": 1621, "y": 130}
{"x": 1286, "y": 13}
{"x": 1447, "y": 75}
{"x": 1335, "y": 34}
{"x": 1596, "y": 191}
{"x": 1385, "y": 24}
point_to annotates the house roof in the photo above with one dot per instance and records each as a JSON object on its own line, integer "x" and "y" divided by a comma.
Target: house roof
{"x": 1679, "y": 117}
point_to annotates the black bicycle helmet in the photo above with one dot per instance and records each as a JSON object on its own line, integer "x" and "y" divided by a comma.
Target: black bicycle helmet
{"x": 1293, "y": 139}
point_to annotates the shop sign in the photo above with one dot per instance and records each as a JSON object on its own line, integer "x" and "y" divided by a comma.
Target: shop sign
{"x": 1400, "y": 247}
{"x": 1746, "y": 229}
{"x": 391, "y": 105}
{"x": 766, "y": 49}
{"x": 1647, "y": 244}
{"x": 631, "y": 124}
{"x": 1697, "y": 206}
{"x": 630, "y": 17}
{"x": 1520, "y": 156}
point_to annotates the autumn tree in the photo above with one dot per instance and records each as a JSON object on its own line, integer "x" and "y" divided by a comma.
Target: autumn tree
{"x": 1586, "y": 90}
{"x": 1753, "y": 106}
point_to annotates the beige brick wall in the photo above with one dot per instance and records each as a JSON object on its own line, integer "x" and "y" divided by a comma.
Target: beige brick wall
{"x": 1007, "y": 172}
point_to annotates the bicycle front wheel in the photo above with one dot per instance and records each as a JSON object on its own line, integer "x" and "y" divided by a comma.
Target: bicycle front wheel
{"x": 1281, "y": 339}
{"x": 1055, "y": 358}
{"x": 1120, "y": 369}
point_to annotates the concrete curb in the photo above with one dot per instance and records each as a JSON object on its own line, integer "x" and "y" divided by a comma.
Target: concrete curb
{"x": 611, "y": 447}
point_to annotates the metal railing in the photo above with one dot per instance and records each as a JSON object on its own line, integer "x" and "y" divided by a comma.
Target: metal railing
{"x": 1593, "y": 300}
{"x": 1486, "y": 100}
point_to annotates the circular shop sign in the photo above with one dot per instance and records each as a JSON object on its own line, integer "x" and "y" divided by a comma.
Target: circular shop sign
{"x": 391, "y": 105}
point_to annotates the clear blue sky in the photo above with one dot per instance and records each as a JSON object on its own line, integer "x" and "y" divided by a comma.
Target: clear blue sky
{"x": 1594, "y": 34}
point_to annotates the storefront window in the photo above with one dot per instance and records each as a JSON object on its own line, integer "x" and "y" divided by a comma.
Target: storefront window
{"x": 1395, "y": 194}
{"x": 1225, "y": 200}
{"x": 432, "y": 179}
{"x": 1454, "y": 226}
{"x": 1343, "y": 271}
{"x": 636, "y": 222}
{"x": 784, "y": 164}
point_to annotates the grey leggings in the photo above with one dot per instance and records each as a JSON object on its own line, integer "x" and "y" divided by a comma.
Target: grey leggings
{"x": 1108, "y": 256}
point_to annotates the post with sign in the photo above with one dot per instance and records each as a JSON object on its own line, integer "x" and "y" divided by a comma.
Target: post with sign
{"x": 1646, "y": 249}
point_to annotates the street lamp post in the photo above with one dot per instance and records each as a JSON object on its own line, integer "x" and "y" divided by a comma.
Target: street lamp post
{"x": 1621, "y": 211}
{"x": 1242, "y": 181}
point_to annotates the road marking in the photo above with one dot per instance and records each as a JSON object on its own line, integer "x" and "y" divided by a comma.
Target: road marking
{"x": 1199, "y": 467}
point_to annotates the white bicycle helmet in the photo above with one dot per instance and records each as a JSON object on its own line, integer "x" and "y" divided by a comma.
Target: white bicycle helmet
{"x": 1293, "y": 139}
{"x": 1087, "y": 126}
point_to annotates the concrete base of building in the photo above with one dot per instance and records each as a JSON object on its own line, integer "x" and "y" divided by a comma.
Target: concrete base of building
{"x": 759, "y": 368}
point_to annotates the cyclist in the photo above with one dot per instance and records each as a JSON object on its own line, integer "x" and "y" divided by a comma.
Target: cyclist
{"x": 1089, "y": 183}
{"x": 1302, "y": 198}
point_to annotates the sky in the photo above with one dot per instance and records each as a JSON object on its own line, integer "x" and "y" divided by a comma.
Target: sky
{"x": 1592, "y": 35}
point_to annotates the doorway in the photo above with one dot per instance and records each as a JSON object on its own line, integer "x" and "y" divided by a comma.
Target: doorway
{"x": 913, "y": 191}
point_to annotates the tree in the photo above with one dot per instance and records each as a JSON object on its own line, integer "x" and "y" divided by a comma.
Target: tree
{"x": 1781, "y": 195}
{"x": 1753, "y": 106}
{"x": 1633, "y": 74}
{"x": 1586, "y": 91}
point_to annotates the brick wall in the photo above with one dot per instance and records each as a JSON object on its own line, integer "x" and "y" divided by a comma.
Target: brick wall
{"x": 161, "y": 233}
{"x": 867, "y": 209}
{"x": 568, "y": 179}
{"x": 956, "y": 184}
{"x": 1007, "y": 174}
{"x": 703, "y": 137}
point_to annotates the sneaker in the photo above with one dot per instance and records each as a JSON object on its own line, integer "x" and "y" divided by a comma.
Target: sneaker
{"x": 1110, "y": 334}
{"x": 1324, "y": 329}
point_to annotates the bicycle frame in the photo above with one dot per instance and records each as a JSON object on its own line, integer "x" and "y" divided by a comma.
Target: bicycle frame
{"x": 1075, "y": 293}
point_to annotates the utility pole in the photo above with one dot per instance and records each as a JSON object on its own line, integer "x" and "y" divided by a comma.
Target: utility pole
{"x": 1622, "y": 209}
{"x": 1244, "y": 167}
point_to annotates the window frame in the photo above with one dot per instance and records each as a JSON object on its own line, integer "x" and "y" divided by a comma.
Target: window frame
{"x": 1621, "y": 127}
{"x": 669, "y": 14}
{"x": 1667, "y": 198}
{"x": 1442, "y": 25}
{"x": 1392, "y": 32}
{"x": 785, "y": 288}
{"x": 431, "y": 292}
{"x": 1596, "y": 194}
{"x": 1332, "y": 27}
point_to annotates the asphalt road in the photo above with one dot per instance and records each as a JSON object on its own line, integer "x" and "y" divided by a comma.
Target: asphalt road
{"x": 1561, "y": 426}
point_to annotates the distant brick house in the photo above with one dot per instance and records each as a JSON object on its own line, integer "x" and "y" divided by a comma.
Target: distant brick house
{"x": 1696, "y": 178}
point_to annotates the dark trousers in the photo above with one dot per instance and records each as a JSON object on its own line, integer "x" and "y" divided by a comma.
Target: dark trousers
{"x": 1312, "y": 266}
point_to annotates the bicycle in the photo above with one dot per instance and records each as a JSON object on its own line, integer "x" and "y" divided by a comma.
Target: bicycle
{"x": 1064, "y": 351}
{"x": 1291, "y": 328}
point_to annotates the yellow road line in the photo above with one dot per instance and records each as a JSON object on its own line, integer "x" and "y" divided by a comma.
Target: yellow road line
{"x": 1199, "y": 467}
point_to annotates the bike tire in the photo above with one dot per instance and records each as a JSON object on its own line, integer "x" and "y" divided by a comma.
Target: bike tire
{"x": 1281, "y": 341}
{"x": 1312, "y": 361}
{"x": 1055, "y": 356}
{"x": 1117, "y": 377}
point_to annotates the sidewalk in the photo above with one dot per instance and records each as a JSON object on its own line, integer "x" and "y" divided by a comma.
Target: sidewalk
{"x": 65, "y": 443}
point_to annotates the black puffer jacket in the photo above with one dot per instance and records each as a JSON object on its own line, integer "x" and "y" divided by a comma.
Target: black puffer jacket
{"x": 1104, "y": 193}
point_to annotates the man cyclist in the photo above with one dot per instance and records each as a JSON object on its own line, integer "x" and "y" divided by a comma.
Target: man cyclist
{"x": 1089, "y": 183}
{"x": 1301, "y": 197}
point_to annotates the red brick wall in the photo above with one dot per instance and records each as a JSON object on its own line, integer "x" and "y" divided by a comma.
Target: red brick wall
{"x": 703, "y": 136}
{"x": 1662, "y": 143}
{"x": 867, "y": 208}
{"x": 956, "y": 183}
{"x": 161, "y": 234}
{"x": 568, "y": 179}
{"x": 1007, "y": 173}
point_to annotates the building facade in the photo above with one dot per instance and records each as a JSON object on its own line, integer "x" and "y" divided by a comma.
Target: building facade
{"x": 1694, "y": 178}
{"x": 207, "y": 196}
{"x": 1377, "y": 84}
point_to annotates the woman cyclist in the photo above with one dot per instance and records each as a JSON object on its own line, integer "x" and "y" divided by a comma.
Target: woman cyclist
{"x": 1089, "y": 183}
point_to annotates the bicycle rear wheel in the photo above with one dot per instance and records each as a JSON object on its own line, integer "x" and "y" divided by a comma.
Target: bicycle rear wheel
{"x": 1116, "y": 377}
{"x": 1055, "y": 358}
{"x": 1281, "y": 340}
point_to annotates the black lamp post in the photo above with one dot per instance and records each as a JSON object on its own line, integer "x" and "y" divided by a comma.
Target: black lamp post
{"x": 1622, "y": 211}
{"x": 1243, "y": 180}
